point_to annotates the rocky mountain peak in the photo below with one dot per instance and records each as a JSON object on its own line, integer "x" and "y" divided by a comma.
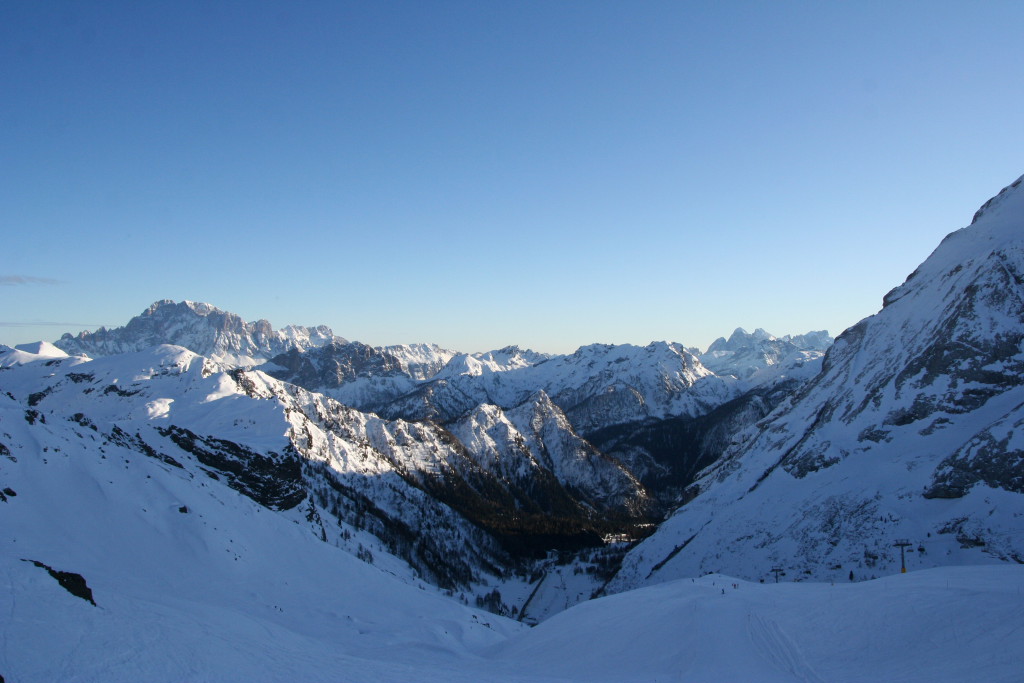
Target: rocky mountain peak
{"x": 199, "y": 327}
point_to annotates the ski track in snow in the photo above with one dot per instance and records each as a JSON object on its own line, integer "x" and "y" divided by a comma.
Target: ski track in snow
{"x": 779, "y": 649}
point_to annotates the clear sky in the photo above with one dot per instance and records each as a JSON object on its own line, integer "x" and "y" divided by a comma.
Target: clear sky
{"x": 477, "y": 174}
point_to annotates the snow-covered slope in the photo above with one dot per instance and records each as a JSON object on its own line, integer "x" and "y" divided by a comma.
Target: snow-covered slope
{"x": 29, "y": 353}
{"x": 913, "y": 430}
{"x": 196, "y": 582}
{"x": 413, "y": 490}
{"x": 941, "y": 625}
{"x": 201, "y": 328}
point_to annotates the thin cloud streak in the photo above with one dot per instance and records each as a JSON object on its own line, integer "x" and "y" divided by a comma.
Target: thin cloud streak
{"x": 17, "y": 280}
{"x": 46, "y": 323}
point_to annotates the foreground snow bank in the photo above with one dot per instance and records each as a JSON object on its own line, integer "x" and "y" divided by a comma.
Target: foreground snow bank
{"x": 948, "y": 624}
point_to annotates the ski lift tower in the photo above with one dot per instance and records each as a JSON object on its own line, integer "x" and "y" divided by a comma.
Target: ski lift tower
{"x": 902, "y": 544}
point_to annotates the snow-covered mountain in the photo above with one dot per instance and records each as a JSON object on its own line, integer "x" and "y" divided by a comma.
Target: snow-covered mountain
{"x": 667, "y": 455}
{"x": 597, "y": 386}
{"x": 358, "y": 375}
{"x": 201, "y": 328}
{"x": 912, "y": 432}
{"x": 534, "y": 448}
{"x": 635, "y": 400}
{"x": 517, "y": 423}
{"x": 759, "y": 356}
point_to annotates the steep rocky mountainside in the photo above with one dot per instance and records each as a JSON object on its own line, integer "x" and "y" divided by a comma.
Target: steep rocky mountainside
{"x": 667, "y": 455}
{"x": 911, "y": 432}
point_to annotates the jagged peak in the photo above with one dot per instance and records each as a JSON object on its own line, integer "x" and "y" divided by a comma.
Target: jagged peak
{"x": 740, "y": 335}
{"x": 199, "y": 308}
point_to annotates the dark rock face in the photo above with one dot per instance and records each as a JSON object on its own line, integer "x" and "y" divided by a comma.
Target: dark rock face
{"x": 136, "y": 443}
{"x": 69, "y": 581}
{"x": 989, "y": 458}
{"x": 333, "y": 365}
{"x": 274, "y": 480}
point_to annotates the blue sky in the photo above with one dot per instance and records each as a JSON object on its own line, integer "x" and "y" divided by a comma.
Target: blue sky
{"x": 477, "y": 174}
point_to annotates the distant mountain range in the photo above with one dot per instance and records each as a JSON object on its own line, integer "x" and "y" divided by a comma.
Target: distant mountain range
{"x": 465, "y": 466}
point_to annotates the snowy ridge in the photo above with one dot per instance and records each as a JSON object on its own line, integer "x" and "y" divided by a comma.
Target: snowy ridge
{"x": 419, "y": 361}
{"x": 912, "y": 430}
{"x": 598, "y": 385}
{"x": 499, "y": 360}
{"x": 29, "y": 353}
